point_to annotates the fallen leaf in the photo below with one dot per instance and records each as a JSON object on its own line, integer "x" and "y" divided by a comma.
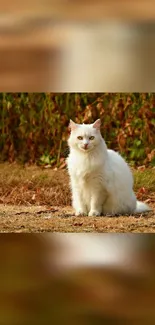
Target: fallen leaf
{"x": 142, "y": 190}
{"x": 141, "y": 168}
{"x": 78, "y": 224}
{"x": 147, "y": 201}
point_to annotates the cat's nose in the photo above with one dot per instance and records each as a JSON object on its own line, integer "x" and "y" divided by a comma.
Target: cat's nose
{"x": 86, "y": 145}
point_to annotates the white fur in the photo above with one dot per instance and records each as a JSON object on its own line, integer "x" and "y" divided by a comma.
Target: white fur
{"x": 101, "y": 180}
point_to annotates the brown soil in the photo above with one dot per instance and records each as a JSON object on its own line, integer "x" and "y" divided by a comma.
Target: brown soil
{"x": 61, "y": 219}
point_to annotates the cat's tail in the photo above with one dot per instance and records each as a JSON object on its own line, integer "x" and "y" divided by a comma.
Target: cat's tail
{"x": 142, "y": 207}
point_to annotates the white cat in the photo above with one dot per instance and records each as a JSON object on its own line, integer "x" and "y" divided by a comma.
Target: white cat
{"x": 101, "y": 180}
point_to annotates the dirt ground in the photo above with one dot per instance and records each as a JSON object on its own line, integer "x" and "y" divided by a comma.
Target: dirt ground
{"x": 59, "y": 219}
{"x": 39, "y": 200}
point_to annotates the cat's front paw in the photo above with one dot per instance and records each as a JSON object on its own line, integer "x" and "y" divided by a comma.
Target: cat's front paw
{"x": 80, "y": 213}
{"x": 94, "y": 213}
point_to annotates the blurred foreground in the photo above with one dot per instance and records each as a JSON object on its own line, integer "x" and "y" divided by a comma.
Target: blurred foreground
{"x": 80, "y": 46}
{"x": 72, "y": 279}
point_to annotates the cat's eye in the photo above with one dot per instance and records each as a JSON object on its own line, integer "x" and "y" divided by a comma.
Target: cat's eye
{"x": 91, "y": 138}
{"x": 80, "y": 138}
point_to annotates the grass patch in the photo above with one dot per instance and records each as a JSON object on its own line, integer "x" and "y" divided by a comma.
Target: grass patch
{"x": 35, "y": 185}
{"x": 145, "y": 178}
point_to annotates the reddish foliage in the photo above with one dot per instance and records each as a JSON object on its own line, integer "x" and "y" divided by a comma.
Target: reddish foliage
{"x": 34, "y": 127}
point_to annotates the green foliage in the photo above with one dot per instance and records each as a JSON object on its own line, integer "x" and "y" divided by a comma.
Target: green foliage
{"x": 33, "y": 126}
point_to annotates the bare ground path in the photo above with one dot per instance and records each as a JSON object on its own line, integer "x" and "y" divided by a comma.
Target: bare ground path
{"x": 33, "y": 218}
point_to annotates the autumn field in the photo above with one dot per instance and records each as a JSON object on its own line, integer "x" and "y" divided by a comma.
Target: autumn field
{"x": 35, "y": 199}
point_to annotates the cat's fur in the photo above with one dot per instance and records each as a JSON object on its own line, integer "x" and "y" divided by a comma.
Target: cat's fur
{"x": 101, "y": 180}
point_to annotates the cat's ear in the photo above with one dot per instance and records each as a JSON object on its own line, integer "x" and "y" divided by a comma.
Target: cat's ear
{"x": 72, "y": 125}
{"x": 97, "y": 124}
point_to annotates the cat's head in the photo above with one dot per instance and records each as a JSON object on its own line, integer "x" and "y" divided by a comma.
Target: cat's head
{"x": 84, "y": 137}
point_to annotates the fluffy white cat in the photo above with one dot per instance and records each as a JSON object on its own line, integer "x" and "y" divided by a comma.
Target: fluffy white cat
{"x": 101, "y": 180}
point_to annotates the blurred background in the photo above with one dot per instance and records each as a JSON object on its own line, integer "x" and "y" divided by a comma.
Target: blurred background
{"x": 34, "y": 126}
{"x": 80, "y": 46}
{"x": 77, "y": 278}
